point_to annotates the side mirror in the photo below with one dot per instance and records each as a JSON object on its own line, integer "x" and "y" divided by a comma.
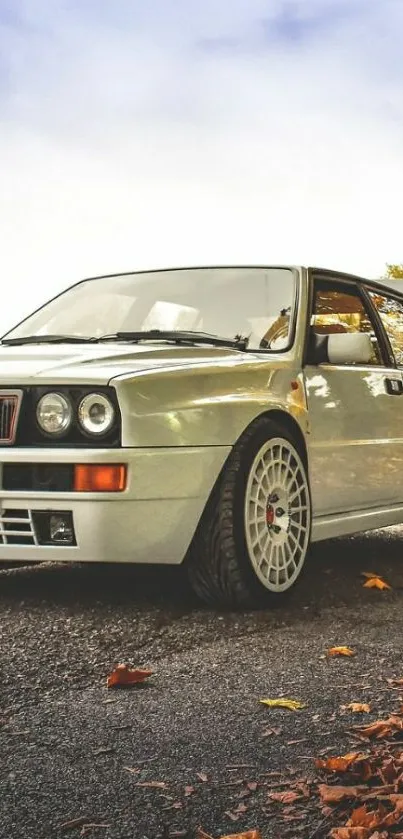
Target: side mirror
{"x": 340, "y": 348}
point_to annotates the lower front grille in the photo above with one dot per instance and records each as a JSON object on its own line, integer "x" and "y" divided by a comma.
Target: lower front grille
{"x": 17, "y": 528}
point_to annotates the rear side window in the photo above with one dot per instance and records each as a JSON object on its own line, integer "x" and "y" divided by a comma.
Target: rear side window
{"x": 390, "y": 310}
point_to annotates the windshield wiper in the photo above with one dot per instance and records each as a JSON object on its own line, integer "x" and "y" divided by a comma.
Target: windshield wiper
{"x": 177, "y": 336}
{"x": 46, "y": 339}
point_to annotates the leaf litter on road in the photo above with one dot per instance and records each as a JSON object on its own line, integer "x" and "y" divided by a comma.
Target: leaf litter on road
{"x": 289, "y": 704}
{"x": 124, "y": 676}
{"x": 342, "y": 651}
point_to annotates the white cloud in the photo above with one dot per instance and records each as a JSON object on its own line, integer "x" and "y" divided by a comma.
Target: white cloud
{"x": 184, "y": 133}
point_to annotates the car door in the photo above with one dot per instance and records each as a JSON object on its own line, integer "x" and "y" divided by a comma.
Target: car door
{"x": 355, "y": 411}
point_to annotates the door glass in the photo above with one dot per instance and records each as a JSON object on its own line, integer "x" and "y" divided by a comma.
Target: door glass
{"x": 391, "y": 314}
{"x": 342, "y": 310}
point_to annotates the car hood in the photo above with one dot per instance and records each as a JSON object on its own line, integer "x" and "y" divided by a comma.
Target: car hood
{"x": 99, "y": 364}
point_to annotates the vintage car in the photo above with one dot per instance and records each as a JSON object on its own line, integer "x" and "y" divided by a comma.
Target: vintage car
{"x": 223, "y": 418}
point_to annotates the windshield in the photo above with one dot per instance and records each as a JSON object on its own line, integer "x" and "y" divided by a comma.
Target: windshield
{"x": 227, "y": 302}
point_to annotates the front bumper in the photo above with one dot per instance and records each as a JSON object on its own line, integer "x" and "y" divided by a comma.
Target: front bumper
{"x": 152, "y": 521}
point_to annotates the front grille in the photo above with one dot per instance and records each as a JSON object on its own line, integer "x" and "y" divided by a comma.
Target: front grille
{"x": 9, "y": 408}
{"x": 16, "y": 528}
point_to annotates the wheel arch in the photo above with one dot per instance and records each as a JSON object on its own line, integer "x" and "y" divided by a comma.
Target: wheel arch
{"x": 286, "y": 421}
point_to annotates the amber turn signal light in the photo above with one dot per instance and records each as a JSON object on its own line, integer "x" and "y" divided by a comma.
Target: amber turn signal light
{"x": 97, "y": 477}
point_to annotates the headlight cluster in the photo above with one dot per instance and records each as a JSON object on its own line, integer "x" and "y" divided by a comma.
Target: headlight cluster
{"x": 55, "y": 414}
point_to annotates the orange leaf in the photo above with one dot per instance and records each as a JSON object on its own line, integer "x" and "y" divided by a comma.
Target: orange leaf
{"x": 376, "y": 582}
{"x": 342, "y": 763}
{"x": 362, "y": 817}
{"x": 123, "y": 675}
{"x": 358, "y": 707}
{"x": 381, "y": 728}
{"x": 351, "y": 833}
{"x": 333, "y": 795}
{"x": 340, "y": 651}
{"x": 250, "y": 834}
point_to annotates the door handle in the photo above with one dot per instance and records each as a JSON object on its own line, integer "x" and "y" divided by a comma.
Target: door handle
{"x": 394, "y": 387}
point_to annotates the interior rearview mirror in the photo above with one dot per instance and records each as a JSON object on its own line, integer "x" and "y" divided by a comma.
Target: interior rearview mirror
{"x": 340, "y": 348}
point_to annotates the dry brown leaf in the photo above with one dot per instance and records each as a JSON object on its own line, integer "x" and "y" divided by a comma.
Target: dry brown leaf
{"x": 152, "y": 784}
{"x": 351, "y": 833}
{"x": 357, "y": 707}
{"x": 381, "y": 728}
{"x": 287, "y": 797}
{"x": 346, "y": 651}
{"x": 123, "y": 676}
{"x": 189, "y": 791}
{"x": 202, "y": 777}
{"x": 269, "y": 732}
{"x": 73, "y": 823}
{"x": 362, "y": 817}
{"x": 377, "y": 582}
{"x": 252, "y": 786}
{"x": 87, "y": 828}
{"x": 342, "y": 763}
{"x": 290, "y": 704}
{"x": 333, "y": 795}
{"x": 250, "y": 834}
{"x": 395, "y": 682}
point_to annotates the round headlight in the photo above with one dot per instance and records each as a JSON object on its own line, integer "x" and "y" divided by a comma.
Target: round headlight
{"x": 54, "y": 413}
{"x": 96, "y": 413}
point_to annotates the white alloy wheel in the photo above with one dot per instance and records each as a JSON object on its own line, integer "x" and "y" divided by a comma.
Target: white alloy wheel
{"x": 277, "y": 514}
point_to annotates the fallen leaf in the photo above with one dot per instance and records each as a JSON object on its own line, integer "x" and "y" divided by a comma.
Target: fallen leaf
{"x": 381, "y": 728}
{"x": 152, "y": 784}
{"x": 73, "y": 823}
{"x": 252, "y": 786}
{"x": 287, "y": 797}
{"x": 250, "y": 834}
{"x": 124, "y": 676}
{"x": 377, "y": 582}
{"x": 362, "y": 817}
{"x": 235, "y": 814}
{"x": 340, "y": 651}
{"x": 202, "y": 777}
{"x": 91, "y": 826}
{"x": 290, "y": 704}
{"x": 333, "y": 795}
{"x": 269, "y": 732}
{"x": 395, "y": 682}
{"x": 189, "y": 791}
{"x": 351, "y": 833}
{"x": 357, "y": 707}
{"x": 342, "y": 763}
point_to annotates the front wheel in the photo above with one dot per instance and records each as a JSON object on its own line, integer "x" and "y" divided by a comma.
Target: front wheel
{"x": 253, "y": 538}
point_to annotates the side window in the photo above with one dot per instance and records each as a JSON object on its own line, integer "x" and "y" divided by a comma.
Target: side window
{"x": 341, "y": 309}
{"x": 391, "y": 313}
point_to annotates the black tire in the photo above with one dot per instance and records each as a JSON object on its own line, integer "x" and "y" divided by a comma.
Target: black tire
{"x": 218, "y": 563}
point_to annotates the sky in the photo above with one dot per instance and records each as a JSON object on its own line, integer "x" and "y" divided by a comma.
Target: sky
{"x": 166, "y": 133}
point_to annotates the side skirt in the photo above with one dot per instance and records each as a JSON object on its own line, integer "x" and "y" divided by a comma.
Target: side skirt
{"x": 357, "y": 521}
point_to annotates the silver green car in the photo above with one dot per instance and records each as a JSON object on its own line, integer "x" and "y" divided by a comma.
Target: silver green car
{"x": 223, "y": 418}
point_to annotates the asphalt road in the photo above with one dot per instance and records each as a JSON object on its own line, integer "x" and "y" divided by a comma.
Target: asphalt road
{"x": 67, "y": 744}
